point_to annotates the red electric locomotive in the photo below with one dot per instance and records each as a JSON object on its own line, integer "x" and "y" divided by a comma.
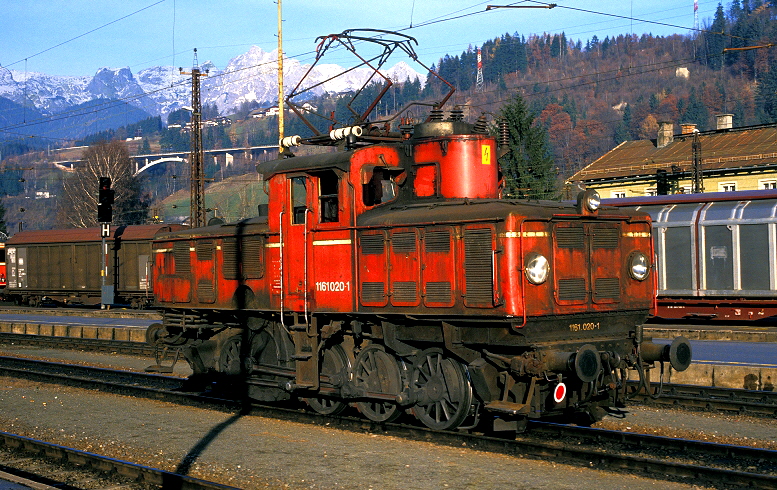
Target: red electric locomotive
{"x": 391, "y": 276}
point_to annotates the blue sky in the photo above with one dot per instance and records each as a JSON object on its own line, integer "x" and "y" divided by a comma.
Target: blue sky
{"x": 38, "y": 35}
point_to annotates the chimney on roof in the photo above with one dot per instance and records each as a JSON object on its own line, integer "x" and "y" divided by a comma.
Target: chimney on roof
{"x": 665, "y": 134}
{"x": 687, "y": 128}
{"x": 724, "y": 121}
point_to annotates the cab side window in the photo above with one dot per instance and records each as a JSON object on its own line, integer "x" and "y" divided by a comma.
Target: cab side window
{"x": 329, "y": 206}
{"x": 298, "y": 200}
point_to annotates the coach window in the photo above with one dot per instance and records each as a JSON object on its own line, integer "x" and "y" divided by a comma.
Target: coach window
{"x": 329, "y": 206}
{"x": 299, "y": 197}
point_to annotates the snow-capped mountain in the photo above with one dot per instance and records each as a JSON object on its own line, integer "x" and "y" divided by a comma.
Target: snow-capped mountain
{"x": 251, "y": 76}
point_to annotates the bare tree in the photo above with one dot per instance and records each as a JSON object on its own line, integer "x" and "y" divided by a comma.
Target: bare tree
{"x": 78, "y": 203}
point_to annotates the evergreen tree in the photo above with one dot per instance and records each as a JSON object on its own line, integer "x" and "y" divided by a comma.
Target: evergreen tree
{"x": 3, "y": 228}
{"x": 528, "y": 166}
{"x": 715, "y": 40}
{"x": 766, "y": 97}
{"x": 696, "y": 112}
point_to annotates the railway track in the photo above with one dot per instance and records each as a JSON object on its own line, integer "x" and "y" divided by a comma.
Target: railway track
{"x": 647, "y": 455}
{"x": 78, "y": 463}
{"x": 750, "y": 402}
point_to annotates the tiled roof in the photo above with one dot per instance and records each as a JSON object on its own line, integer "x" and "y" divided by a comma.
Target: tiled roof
{"x": 746, "y": 147}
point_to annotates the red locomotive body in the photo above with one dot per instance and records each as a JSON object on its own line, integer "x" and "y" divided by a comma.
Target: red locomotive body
{"x": 393, "y": 277}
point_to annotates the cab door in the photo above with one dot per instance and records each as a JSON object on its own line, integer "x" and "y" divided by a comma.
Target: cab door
{"x": 295, "y": 256}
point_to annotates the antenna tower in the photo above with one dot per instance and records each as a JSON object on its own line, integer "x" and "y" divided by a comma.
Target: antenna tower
{"x": 196, "y": 157}
{"x": 696, "y": 16}
{"x": 479, "y": 80}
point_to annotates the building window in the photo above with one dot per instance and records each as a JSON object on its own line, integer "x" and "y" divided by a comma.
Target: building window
{"x": 618, "y": 194}
{"x": 727, "y": 186}
{"x": 767, "y": 184}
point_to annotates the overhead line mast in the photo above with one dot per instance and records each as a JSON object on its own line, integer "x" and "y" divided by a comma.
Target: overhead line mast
{"x": 196, "y": 157}
{"x": 280, "y": 78}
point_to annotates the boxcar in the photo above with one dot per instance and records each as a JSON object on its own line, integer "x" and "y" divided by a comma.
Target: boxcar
{"x": 66, "y": 266}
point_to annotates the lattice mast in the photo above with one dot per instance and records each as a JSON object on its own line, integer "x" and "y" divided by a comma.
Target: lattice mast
{"x": 196, "y": 157}
{"x": 697, "y": 184}
{"x": 479, "y": 80}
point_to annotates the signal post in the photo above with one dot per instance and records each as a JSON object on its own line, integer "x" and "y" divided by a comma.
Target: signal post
{"x": 105, "y": 216}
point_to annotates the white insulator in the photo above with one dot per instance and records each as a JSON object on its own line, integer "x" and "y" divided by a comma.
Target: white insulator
{"x": 290, "y": 141}
{"x": 340, "y": 133}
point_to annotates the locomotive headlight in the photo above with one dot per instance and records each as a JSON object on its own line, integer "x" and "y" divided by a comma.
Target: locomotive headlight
{"x": 537, "y": 268}
{"x": 593, "y": 200}
{"x": 639, "y": 267}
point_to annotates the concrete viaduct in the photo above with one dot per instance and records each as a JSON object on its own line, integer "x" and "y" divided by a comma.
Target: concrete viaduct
{"x": 218, "y": 156}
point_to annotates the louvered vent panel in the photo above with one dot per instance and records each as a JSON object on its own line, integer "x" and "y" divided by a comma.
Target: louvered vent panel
{"x": 182, "y": 260}
{"x": 373, "y": 292}
{"x": 438, "y": 292}
{"x": 605, "y": 238}
{"x": 571, "y": 289}
{"x": 404, "y": 292}
{"x": 205, "y": 291}
{"x": 229, "y": 254}
{"x": 607, "y": 288}
{"x": 438, "y": 241}
{"x": 253, "y": 257}
{"x": 403, "y": 242}
{"x": 204, "y": 249}
{"x": 372, "y": 244}
{"x": 478, "y": 266}
{"x": 570, "y": 237}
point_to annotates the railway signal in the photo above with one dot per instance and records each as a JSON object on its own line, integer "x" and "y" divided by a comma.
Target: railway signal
{"x": 105, "y": 200}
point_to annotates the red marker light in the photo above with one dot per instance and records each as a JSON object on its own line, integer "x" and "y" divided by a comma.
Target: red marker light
{"x": 560, "y": 393}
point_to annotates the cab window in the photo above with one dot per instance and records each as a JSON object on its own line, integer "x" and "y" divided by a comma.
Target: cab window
{"x": 329, "y": 206}
{"x": 380, "y": 188}
{"x": 298, "y": 200}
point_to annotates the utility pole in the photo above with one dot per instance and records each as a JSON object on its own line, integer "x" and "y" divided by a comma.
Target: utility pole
{"x": 280, "y": 78}
{"x": 196, "y": 157}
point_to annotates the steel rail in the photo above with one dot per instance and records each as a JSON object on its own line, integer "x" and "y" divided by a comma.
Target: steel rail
{"x": 674, "y": 459}
{"x": 104, "y": 464}
{"x": 80, "y": 343}
{"x": 750, "y": 402}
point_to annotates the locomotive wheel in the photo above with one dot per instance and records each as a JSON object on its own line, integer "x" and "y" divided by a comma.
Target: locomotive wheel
{"x": 378, "y": 372}
{"x": 153, "y": 332}
{"x": 229, "y": 358}
{"x": 443, "y": 389}
{"x": 270, "y": 347}
{"x": 335, "y": 365}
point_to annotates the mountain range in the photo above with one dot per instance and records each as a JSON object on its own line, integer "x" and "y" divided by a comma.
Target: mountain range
{"x": 159, "y": 90}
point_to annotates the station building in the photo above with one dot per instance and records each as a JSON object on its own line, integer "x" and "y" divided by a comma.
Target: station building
{"x": 729, "y": 159}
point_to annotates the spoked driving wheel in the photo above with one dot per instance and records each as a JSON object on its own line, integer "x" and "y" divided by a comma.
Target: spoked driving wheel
{"x": 443, "y": 390}
{"x": 335, "y": 367}
{"x": 378, "y": 373}
{"x": 270, "y": 351}
{"x": 230, "y": 361}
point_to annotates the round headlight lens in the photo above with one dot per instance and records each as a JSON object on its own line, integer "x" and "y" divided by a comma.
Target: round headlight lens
{"x": 593, "y": 200}
{"x": 639, "y": 267}
{"x": 537, "y": 268}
